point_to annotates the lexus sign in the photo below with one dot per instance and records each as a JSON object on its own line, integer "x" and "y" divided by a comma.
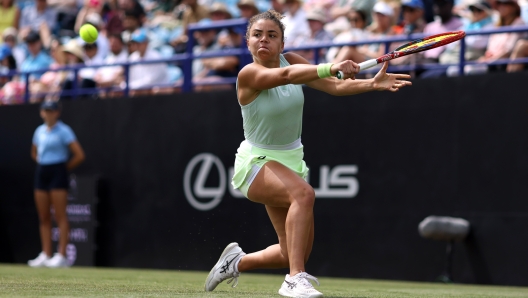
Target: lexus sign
{"x": 334, "y": 183}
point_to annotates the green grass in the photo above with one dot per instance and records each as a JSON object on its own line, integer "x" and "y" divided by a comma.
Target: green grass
{"x": 20, "y": 280}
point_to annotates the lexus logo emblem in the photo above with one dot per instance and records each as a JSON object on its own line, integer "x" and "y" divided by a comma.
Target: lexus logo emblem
{"x": 197, "y": 190}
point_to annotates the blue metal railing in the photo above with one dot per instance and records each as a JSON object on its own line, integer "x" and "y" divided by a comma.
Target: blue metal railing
{"x": 245, "y": 58}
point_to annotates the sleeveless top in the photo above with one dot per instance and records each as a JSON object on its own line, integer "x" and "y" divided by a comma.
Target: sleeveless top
{"x": 7, "y": 17}
{"x": 275, "y": 116}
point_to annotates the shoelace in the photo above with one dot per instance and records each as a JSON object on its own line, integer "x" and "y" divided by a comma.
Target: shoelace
{"x": 234, "y": 278}
{"x": 304, "y": 278}
{"x": 235, "y": 273}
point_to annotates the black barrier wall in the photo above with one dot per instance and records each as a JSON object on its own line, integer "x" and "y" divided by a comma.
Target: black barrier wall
{"x": 380, "y": 163}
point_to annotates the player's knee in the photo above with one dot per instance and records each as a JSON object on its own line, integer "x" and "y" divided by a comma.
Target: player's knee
{"x": 61, "y": 218}
{"x": 306, "y": 197}
{"x": 45, "y": 219}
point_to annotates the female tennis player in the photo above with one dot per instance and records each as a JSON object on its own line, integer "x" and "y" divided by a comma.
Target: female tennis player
{"x": 269, "y": 166}
{"x": 53, "y": 142}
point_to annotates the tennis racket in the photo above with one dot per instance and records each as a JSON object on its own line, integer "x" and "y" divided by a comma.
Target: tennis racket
{"x": 415, "y": 46}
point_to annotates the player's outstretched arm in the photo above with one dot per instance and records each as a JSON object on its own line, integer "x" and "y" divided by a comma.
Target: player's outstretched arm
{"x": 258, "y": 77}
{"x": 383, "y": 81}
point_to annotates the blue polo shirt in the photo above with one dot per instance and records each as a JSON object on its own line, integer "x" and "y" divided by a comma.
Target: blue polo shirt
{"x": 32, "y": 63}
{"x": 52, "y": 145}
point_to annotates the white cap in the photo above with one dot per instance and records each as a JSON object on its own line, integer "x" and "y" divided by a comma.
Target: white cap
{"x": 383, "y": 8}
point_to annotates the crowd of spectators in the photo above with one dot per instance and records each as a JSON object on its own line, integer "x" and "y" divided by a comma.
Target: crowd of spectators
{"x": 41, "y": 36}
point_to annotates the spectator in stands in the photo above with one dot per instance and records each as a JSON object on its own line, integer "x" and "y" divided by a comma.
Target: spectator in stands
{"x": 112, "y": 76}
{"x": 134, "y": 6}
{"x": 413, "y": 22}
{"x": 37, "y": 58}
{"x": 91, "y": 7}
{"x": 316, "y": 20}
{"x": 66, "y": 14}
{"x": 51, "y": 81}
{"x": 39, "y": 17}
{"x": 368, "y": 7}
{"x": 162, "y": 19}
{"x": 445, "y": 21}
{"x": 113, "y": 16}
{"x": 117, "y": 12}
{"x": 339, "y": 21}
{"x": 219, "y": 12}
{"x": 103, "y": 46}
{"x": 211, "y": 69}
{"x": 501, "y": 45}
{"x": 161, "y": 7}
{"x": 193, "y": 13}
{"x": 74, "y": 58}
{"x": 10, "y": 14}
{"x": 381, "y": 27}
{"x": 142, "y": 77}
{"x": 7, "y": 64}
{"x": 297, "y": 27}
{"x": 479, "y": 17}
{"x": 10, "y": 38}
{"x": 247, "y": 8}
{"x": 277, "y": 5}
{"x": 413, "y": 18}
{"x": 87, "y": 75}
{"x": 324, "y": 5}
{"x": 356, "y": 32}
{"x": 519, "y": 51}
{"x": 131, "y": 23}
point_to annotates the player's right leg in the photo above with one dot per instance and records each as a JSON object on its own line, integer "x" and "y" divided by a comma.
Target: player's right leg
{"x": 59, "y": 200}
{"x": 43, "y": 204}
{"x": 277, "y": 186}
{"x": 289, "y": 200}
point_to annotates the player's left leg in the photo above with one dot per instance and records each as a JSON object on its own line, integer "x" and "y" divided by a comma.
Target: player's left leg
{"x": 274, "y": 256}
{"x": 59, "y": 200}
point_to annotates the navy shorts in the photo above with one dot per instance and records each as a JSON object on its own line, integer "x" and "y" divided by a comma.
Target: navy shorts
{"x": 53, "y": 176}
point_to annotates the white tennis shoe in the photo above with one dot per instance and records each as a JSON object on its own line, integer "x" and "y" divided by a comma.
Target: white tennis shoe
{"x": 39, "y": 261}
{"x": 58, "y": 261}
{"x": 225, "y": 267}
{"x": 299, "y": 286}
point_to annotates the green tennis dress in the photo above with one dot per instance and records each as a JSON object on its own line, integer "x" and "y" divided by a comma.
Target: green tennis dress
{"x": 272, "y": 128}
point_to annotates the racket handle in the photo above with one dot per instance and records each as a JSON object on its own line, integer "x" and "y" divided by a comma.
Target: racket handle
{"x": 340, "y": 75}
{"x": 367, "y": 64}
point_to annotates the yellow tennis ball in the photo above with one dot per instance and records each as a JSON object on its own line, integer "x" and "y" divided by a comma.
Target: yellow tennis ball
{"x": 88, "y": 33}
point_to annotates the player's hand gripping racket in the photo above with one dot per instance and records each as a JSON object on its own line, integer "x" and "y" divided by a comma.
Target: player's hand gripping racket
{"x": 415, "y": 46}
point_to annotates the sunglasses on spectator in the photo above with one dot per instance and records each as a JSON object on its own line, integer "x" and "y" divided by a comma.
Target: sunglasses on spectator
{"x": 408, "y": 9}
{"x": 505, "y": 3}
{"x": 475, "y": 10}
{"x": 354, "y": 20}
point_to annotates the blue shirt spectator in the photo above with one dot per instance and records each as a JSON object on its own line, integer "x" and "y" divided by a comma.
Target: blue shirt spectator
{"x": 52, "y": 144}
{"x": 37, "y": 58}
{"x": 41, "y": 61}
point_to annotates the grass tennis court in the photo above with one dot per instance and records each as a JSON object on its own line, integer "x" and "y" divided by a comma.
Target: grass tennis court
{"x": 20, "y": 280}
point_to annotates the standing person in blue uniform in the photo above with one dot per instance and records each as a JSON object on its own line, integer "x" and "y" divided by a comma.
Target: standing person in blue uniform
{"x": 269, "y": 166}
{"x": 53, "y": 143}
